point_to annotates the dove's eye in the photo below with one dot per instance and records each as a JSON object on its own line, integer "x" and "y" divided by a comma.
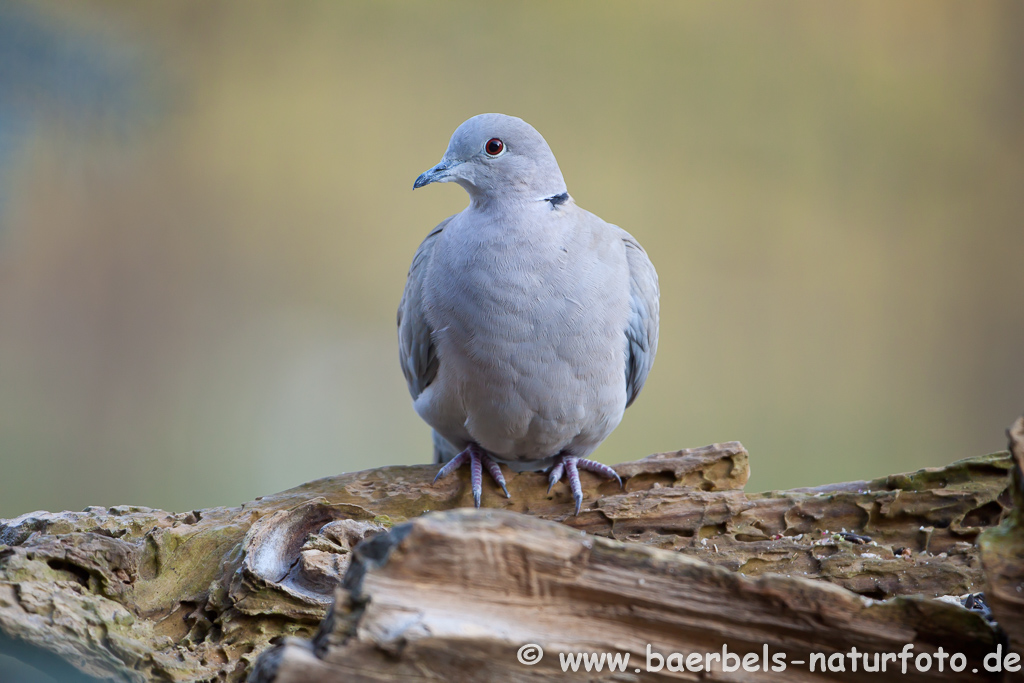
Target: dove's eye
{"x": 494, "y": 147}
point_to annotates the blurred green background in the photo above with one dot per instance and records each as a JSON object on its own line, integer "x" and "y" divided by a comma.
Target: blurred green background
{"x": 206, "y": 219}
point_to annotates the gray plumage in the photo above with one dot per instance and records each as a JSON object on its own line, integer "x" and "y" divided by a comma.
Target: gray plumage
{"x": 528, "y": 324}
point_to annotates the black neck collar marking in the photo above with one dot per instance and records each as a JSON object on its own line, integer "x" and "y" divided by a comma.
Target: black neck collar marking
{"x": 557, "y": 199}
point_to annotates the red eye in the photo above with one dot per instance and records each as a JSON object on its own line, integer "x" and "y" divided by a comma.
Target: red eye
{"x": 494, "y": 147}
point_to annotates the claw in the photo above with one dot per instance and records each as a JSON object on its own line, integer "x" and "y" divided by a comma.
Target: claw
{"x": 495, "y": 471}
{"x": 573, "y": 476}
{"x": 476, "y": 476}
{"x": 555, "y": 474}
{"x": 599, "y": 468}
{"x": 571, "y": 465}
{"x": 452, "y": 465}
{"x": 477, "y": 459}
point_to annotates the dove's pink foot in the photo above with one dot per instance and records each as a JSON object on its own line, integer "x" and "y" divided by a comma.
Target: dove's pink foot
{"x": 570, "y": 465}
{"x": 477, "y": 461}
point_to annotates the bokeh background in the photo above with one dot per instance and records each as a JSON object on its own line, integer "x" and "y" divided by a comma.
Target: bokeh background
{"x": 206, "y": 219}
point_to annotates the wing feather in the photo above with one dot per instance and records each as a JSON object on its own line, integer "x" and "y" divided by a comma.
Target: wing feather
{"x": 416, "y": 350}
{"x": 642, "y": 327}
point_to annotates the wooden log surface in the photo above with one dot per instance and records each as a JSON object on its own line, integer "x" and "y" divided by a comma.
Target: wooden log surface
{"x": 456, "y": 595}
{"x": 135, "y": 594}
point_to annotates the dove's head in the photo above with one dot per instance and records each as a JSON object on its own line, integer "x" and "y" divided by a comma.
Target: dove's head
{"x": 494, "y": 156}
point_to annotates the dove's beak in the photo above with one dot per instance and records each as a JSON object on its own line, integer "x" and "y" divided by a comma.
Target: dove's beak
{"x": 438, "y": 174}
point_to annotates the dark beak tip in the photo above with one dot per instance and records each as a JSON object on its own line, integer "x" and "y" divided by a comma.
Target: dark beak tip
{"x": 436, "y": 174}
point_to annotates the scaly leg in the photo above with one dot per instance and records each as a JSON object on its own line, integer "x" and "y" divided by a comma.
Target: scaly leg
{"x": 570, "y": 466}
{"x": 477, "y": 460}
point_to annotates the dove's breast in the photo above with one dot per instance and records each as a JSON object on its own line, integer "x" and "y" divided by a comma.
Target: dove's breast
{"x": 529, "y": 329}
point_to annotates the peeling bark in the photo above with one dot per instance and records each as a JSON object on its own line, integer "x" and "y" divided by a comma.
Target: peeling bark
{"x": 136, "y": 594}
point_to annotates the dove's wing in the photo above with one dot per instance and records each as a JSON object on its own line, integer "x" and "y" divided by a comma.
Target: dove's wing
{"x": 642, "y": 327}
{"x": 416, "y": 349}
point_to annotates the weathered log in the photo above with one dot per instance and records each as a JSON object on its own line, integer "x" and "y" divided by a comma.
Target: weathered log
{"x": 138, "y": 594}
{"x": 456, "y": 595}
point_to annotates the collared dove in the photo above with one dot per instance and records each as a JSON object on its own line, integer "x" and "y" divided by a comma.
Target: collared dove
{"x": 528, "y": 325}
